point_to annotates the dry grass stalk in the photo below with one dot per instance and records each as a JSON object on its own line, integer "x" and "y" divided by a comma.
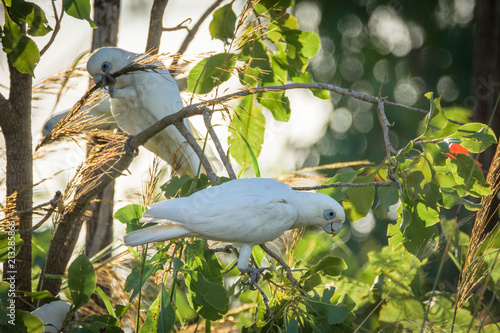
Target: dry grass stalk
{"x": 9, "y": 209}
{"x": 471, "y": 272}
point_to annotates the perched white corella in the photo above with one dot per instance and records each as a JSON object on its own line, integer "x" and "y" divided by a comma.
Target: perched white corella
{"x": 53, "y": 315}
{"x": 141, "y": 98}
{"x": 245, "y": 212}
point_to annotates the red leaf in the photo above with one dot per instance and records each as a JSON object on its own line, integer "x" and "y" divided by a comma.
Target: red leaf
{"x": 456, "y": 148}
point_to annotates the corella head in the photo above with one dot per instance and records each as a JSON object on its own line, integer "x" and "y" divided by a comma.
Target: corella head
{"x": 320, "y": 210}
{"x": 106, "y": 61}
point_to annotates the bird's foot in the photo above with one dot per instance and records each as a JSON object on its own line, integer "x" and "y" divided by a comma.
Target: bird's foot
{"x": 253, "y": 276}
{"x": 129, "y": 149}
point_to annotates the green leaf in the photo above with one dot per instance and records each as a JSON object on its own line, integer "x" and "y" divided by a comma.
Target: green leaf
{"x": 33, "y": 15}
{"x": 429, "y": 215}
{"x": 106, "y": 301}
{"x": 98, "y": 323}
{"x": 360, "y": 198}
{"x": 172, "y": 188}
{"x": 81, "y": 280}
{"x": 338, "y": 193}
{"x": 210, "y": 72}
{"x": 293, "y": 326}
{"x": 130, "y": 215}
{"x": 44, "y": 296}
{"x": 249, "y": 123}
{"x": 23, "y": 52}
{"x": 331, "y": 313}
{"x": 213, "y": 293}
{"x": 135, "y": 280}
{"x": 466, "y": 172}
{"x": 305, "y": 77}
{"x": 331, "y": 266}
{"x": 161, "y": 314}
{"x": 121, "y": 310}
{"x": 475, "y": 137}
{"x": 257, "y": 68}
{"x": 10, "y": 245}
{"x": 79, "y": 9}
{"x": 419, "y": 238}
{"x": 223, "y": 24}
{"x": 387, "y": 196}
{"x": 24, "y": 322}
{"x": 277, "y": 103}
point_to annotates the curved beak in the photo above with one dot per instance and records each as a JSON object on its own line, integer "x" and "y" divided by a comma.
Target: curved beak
{"x": 104, "y": 80}
{"x": 333, "y": 227}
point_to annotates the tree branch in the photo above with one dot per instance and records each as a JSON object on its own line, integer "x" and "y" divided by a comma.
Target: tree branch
{"x": 207, "y": 117}
{"x": 283, "y": 264}
{"x": 190, "y": 36}
{"x": 319, "y": 187}
{"x": 178, "y": 26}
{"x": 56, "y": 27}
{"x": 192, "y": 142}
{"x": 57, "y": 197}
{"x": 155, "y": 26}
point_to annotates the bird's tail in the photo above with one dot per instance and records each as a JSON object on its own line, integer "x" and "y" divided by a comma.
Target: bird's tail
{"x": 156, "y": 233}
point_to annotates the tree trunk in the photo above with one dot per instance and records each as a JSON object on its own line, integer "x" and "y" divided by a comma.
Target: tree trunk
{"x": 100, "y": 223}
{"x": 106, "y": 17}
{"x": 486, "y": 75}
{"x": 15, "y": 119}
{"x": 155, "y": 26}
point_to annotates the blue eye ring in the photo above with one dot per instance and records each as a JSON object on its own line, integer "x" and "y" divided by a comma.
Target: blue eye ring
{"x": 106, "y": 67}
{"x": 329, "y": 214}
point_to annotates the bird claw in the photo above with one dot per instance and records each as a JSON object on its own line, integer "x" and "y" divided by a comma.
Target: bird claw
{"x": 254, "y": 276}
{"x": 128, "y": 148}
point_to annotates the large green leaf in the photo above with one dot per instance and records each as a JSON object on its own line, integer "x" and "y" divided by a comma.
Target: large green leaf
{"x": 360, "y": 198}
{"x": 419, "y": 239}
{"x": 257, "y": 68}
{"x": 161, "y": 314}
{"x": 33, "y": 15}
{"x": 249, "y": 123}
{"x": 210, "y": 72}
{"x": 475, "y": 137}
{"x": 23, "y": 52}
{"x": 81, "y": 280}
{"x": 386, "y": 196}
{"x": 222, "y": 25}
{"x": 130, "y": 215}
{"x": 79, "y": 9}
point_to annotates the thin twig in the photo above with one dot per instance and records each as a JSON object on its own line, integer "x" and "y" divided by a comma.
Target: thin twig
{"x": 283, "y": 264}
{"x": 194, "y": 30}
{"x": 385, "y": 124}
{"x": 265, "y": 299}
{"x": 319, "y": 187}
{"x": 192, "y": 142}
{"x": 52, "y": 202}
{"x": 179, "y": 26}
{"x": 207, "y": 118}
{"x": 56, "y": 27}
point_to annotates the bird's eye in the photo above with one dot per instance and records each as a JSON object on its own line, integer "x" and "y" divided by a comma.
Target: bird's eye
{"x": 329, "y": 214}
{"x": 106, "y": 67}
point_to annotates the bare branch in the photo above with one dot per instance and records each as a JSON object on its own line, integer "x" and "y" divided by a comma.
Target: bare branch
{"x": 339, "y": 184}
{"x": 155, "y": 26}
{"x": 385, "y": 124}
{"x": 207, "y": 118}
{"x": 56, "y": 27}
{"x": 283, "y": 264}
{"x": 179, "y": 26}
{"x": 192, "y": 142}
{"x": 57, "y": 197}
{"x": 190, "y": 36}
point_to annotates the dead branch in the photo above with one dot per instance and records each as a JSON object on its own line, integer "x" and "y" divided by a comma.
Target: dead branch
{"x": 207, "y": 116}
{"x": 339, "y": 184}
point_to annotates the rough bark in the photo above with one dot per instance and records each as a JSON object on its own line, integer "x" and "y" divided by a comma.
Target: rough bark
{"x": 486, "y": 75}
{"x": 99, "y": 225}
{"x": 15, "y": 120}
{"x": 155, "y": 26}
{"x": 106, "y": 17}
